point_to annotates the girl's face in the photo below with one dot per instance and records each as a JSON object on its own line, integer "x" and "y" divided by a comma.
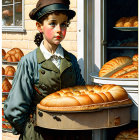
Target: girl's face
{"x": 54, "y": 28}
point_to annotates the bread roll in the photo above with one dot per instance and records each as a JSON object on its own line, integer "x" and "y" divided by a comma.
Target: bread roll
{"x": 130, "y": 134}
{"x": 131, "y": 74}
{"x": 3, "y": 53}
{"x": 13, "y": 55}
{"x": 135, "y": 57}
{"x": 10, "y": 71}
{"x": 6, "y": 85}
{"x": 124, "y": 70}
{"x": 114, "y": 65}
{"x": 85, "y": 98}
{"x": 127, "y": 22}
{"x": 3, "y": 71}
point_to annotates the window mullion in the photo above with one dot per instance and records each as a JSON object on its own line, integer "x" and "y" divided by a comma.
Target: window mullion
{"x": 14, "y": 12}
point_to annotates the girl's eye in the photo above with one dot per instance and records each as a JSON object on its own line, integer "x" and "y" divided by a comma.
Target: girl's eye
{"x": 64, "y": 25}
{"x": 52, "y": 24}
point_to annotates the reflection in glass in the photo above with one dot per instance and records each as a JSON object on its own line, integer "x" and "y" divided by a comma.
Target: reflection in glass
{"x": 18, "y": 1}
{"x": 7, "y": 16}
{"x": 18, "y": 14}
{"x": 4, "y": 2}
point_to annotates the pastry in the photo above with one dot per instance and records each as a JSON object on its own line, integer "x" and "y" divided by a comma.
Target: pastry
{"x": 85, "y": 98}
{"x": 114, "y": 65}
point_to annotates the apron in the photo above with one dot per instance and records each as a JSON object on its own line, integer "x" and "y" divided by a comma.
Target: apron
{"x": 52, "y": 79}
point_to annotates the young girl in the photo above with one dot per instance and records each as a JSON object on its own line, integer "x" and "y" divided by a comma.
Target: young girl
{"x": 43, "y": 71}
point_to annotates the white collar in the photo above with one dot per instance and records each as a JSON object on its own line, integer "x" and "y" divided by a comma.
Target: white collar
{"x": 59, "y": 51}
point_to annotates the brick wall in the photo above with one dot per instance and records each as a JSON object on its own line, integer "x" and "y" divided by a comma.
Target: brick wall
{"x": 24, "y": 41}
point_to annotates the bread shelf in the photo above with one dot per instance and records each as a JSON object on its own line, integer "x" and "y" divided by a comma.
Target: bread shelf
{"x": 6, "y": 76}
{"x": 126, "y": 28}
{"x": 118, "y": 47}
{"x": 130, "y": 82}
{"x": 9, "y": 63}
{"x": 6, "y": 130}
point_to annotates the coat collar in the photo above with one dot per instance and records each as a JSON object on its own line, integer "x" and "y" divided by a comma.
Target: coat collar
{"x": 48, "y": 64}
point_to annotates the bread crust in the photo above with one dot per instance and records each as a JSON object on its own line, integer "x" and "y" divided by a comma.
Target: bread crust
{"x": 114, "y": 65}
{"x": 87, "y": 98}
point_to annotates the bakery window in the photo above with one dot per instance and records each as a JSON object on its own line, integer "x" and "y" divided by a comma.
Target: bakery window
{"x": 13, "y": 16}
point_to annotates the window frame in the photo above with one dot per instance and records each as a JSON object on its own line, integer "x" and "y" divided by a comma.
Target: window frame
{"x": 15, "y": 28}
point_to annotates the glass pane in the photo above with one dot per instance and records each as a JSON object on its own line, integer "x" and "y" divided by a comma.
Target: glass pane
{"x": 18, "y": 1}
{"x": 7, "y": 15}
{"x": 6, "y": 2}
{"x": 18, "y": 14}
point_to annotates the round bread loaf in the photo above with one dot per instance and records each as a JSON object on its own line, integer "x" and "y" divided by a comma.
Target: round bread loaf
{"x": 114, "y": 65}
{"x": 85, "y": 98}
{"x": 13, "y": 55}
{"x": 10, "y": 71}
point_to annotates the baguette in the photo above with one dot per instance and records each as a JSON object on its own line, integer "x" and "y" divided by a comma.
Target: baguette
{"x": 85, "y": 98}
{"x": 114, "y": 65}
{"x": 131, "y": 74}
{"x": 124, "y": 70}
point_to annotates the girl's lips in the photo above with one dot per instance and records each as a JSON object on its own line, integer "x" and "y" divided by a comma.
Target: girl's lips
{"x": 58, "y": 37}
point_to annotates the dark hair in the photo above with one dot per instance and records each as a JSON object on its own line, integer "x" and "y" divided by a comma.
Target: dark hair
{"x": 38, "y": 39}
{"x": 39, "y": 36}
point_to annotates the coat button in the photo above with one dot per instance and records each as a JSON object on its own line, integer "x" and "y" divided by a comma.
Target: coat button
{"x": 43, "y": 71}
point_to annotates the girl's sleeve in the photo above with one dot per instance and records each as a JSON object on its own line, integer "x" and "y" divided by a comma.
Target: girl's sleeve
{"x": 17, "y": 106}
{"x": 80, "y": 80}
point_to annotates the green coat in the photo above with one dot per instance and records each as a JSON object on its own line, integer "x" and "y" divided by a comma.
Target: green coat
{"x": 36, "y": 78}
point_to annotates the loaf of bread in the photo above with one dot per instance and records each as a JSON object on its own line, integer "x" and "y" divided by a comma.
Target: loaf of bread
{"x": 125, "y": 70}
{"x": 3, "y": 71}
{"x": 130, "y": 134}
{"x": 10, "y": 71}
{"x": 3, "y": 53}
{"x": 114, "y": 65}
{"x": 13, "y": 55}
{"x": 131, "y": 74}
{"x": 127, "y": 22}
{"x": 135, "y": 63}
{"x": 86, "y": 97}
{"x": 129, "y": 44}
{"x": 6, "y": 85}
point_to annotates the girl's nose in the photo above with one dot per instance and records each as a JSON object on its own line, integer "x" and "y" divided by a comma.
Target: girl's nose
{"x": 58, "y": 28}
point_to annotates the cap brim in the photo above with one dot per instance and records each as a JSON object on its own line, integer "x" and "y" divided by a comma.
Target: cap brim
{"x": 36, "y": 14}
